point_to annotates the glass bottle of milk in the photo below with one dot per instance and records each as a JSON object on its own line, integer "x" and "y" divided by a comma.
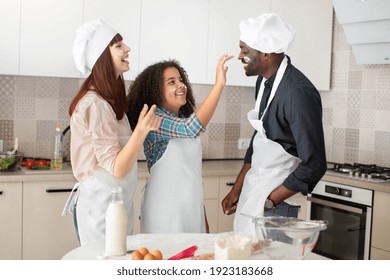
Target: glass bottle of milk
{"x": 116, "y": 224}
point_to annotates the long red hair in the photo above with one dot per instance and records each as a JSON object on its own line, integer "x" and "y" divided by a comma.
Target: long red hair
{"x": 104, "y": 82}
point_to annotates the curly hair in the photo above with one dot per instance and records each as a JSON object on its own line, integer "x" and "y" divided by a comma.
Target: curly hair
{"x": 148, "y": 87}
{"x": 104, "y": 82}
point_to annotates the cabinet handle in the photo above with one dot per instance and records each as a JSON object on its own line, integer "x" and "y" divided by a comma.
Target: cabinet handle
{"x": 1, "y": 192}
{"x": 229, "y": 184}
{"x": 59, "y": 190}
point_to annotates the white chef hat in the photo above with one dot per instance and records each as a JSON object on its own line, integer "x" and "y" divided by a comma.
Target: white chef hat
{"x": 267, "y": 33}
{"x": 91, "y": 40}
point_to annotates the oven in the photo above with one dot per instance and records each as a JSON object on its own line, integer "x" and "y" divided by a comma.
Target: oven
{"x": 348, "y": 211}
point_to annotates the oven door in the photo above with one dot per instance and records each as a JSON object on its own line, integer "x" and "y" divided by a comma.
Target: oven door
{"x": 349, "y": 228}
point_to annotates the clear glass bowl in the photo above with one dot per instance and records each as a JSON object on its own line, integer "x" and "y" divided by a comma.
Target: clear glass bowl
{"x": 287, "y": 238}
{"x": 9, "y": 162}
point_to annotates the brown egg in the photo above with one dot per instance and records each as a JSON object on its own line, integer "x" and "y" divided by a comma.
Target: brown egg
{"x": 157, "y": 254}
{"x": 137, "y": 256}
{"x": 149, "y": 257}
{"x": 143, "y": 251}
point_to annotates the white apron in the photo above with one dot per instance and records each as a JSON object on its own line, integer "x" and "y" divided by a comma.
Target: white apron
{"x": 173, "y": 196}
{"x": 93, "y": 197}
{"x": 270, "y": 166}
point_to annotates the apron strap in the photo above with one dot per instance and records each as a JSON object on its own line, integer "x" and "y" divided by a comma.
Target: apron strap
{"x": 72, "y": 196}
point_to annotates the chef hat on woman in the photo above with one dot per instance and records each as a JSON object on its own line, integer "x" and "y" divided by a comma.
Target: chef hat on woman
{"x": 91, "y": 40}
{"x": 267, "y": 33}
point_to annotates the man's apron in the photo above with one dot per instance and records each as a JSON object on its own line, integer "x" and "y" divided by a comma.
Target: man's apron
{"x": 271, "y": 165}
{"x": 93, "y": 197}
{"x": 173, "y": 196}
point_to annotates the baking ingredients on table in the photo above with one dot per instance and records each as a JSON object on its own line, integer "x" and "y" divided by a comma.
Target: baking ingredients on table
{"x": 56, "y": 161}
{"x": 116, "y": 224}
{"x": 232, "y": 246}
{"x": 144, "y": 254}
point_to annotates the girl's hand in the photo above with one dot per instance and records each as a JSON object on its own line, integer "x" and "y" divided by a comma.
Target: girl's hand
{"x": 147, "y": 120}
{"x": 222, "y": 69}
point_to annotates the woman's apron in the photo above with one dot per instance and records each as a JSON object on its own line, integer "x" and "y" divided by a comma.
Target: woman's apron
{"x": 270, "y": 166}
{"x": 173, "y": 196}
{"x": 93, "y": 197}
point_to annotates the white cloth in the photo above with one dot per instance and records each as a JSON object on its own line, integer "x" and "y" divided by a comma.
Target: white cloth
{"x": 270, "y": 166}
{"x": 91, "y": 40}
{"x": 267, "y": 33}
{"x": 173, "y": 196}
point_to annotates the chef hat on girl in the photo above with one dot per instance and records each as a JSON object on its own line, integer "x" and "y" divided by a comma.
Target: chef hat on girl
{"x": 91, "y": 40}
{"x": 267, "y": 33}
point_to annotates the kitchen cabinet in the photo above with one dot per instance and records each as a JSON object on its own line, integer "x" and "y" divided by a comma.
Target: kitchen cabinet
{"x": 127, "y": 25}
{"x": 11, "y": 221}
{"x": 137, "y": 204}
{"x": 47, "y": 234}
{"x": 211, "y": 201}
{"x": 380, "y": 239}
{"x": 46, "y": 37}
{"x": 10, "y": 26}
{"x": 175, "y": 29}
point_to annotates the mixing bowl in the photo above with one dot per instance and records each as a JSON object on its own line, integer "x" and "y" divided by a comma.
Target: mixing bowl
{"x": 287, "y": 238}
{"x": 9, "y": 162}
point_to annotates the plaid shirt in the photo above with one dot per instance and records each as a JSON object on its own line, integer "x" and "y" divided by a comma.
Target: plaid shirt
{"x": 171, "y": 127}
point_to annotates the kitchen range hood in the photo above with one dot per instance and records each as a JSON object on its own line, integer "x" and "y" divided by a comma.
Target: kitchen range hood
{"x": 366, "y": 24}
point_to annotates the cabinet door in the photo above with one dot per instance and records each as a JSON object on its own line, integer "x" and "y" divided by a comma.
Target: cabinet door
{"x": 176, "y": 29}
{"x": 381, "y": 222}
{"x": 224, "y": 36}
{"x": 46, "y": 37}
{"x": 46, "y": 234}
{"x": 211, "y": 194}
{"x": 11, "y": 221}
{"x": 10, "y": 26}
{"x": 377, "y": 254}
{"x": 127, "y": 25}
{"x": 225, "y": 222}
{"x": 312, "y": 47}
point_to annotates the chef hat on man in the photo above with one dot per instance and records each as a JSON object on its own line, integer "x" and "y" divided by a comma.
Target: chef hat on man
{"x": 267, "y": 33}
{"x": 91, "y": 40}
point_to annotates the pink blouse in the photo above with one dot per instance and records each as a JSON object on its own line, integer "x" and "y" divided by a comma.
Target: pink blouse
{"x": 96, "y": 136}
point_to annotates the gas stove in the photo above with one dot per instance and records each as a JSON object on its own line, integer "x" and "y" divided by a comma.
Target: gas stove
{"x": 366, "y": 172}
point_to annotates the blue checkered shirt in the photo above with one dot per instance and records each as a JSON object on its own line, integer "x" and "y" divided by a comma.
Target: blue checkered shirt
{"x": 172, "y": 126}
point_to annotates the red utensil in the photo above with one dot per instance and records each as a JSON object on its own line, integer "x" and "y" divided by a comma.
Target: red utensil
{"x": 187, "y": 253}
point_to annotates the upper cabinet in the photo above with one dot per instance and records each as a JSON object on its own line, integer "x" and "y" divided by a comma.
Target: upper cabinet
{"x": 194, "y": 32}
{"x": 10, "y": 28}
{"x": 127, "y": 24}
{"x": 175, "y": 29}
{"x": 46, "y": 37}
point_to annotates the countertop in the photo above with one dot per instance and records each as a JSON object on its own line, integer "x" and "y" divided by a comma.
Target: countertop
{"x": 210, "y": 168}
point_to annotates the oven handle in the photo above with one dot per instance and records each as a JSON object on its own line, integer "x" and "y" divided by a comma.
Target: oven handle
{"x": 335, "y": 205}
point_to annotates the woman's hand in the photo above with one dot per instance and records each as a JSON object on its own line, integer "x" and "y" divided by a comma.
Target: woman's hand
{"x": 147, "y": 120}
{"x": 221, "y": 70}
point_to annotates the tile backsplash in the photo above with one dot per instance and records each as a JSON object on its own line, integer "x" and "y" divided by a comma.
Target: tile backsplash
{"x": 356, "y": 112}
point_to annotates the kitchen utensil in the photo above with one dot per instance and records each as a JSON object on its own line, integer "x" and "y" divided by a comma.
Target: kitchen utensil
{"x": 10, "y": 161}
{"x": 290, "y": 238}
{"x": 187, "y": 253}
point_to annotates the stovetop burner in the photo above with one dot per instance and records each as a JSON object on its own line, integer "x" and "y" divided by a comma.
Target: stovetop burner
{"x": 359, "y": 170}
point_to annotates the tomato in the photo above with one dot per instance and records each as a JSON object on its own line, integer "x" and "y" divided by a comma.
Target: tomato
{"x": 41, "y": 162}
{"x": 29, "y": 163}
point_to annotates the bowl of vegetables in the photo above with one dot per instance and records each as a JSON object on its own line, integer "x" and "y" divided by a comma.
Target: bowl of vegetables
{"x": 10, "y": 161}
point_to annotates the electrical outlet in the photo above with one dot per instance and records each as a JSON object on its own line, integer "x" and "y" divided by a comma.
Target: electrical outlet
{"x": 243, "y": 143}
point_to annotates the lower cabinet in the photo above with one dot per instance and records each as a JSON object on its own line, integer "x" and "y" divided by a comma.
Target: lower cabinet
{"x": 11, "y": 221}
{"x": 211, "y": 201}
{"x": 46, "y": 234}
{"x": 137, "y": 204}
{"x": 380, "y": 239}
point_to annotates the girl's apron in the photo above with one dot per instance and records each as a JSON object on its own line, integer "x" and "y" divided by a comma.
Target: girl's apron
{"x": 93, "y": 197}
{"x": 173, "y": 196}
{"x": 271, "y": 165}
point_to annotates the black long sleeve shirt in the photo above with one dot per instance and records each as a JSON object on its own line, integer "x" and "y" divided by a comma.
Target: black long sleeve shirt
{"x": 294, "y": 120}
